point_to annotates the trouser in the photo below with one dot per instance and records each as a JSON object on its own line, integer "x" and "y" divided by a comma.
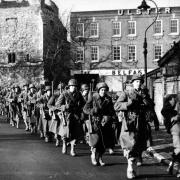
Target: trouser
{"x": 175, "y": 132}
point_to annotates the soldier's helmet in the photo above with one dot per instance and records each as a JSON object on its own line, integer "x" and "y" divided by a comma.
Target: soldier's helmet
{"x": 47, "y": 88}
{"x": 84, "y": 87}
{"x": 61, "y": 86}
{"x": 17, "y": 87}
{"x": 101, "y": 85}
{"x": 72, "y": 82}
{"x": 32, "y": 86}
{"x": 26, "y": 84}
{"x": 137, "y": 77}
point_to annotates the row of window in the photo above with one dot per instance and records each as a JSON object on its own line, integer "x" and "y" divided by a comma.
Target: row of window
{"x": 12, "y": 57}
{"x": 116, "y": 28}
{"x": 116, "y": 53}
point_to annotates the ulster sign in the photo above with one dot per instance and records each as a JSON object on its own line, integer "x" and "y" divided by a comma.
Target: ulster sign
{"x": 111, "y": 72}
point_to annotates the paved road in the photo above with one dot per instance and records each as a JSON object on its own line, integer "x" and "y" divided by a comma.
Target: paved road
{"x": 25, "y": 157}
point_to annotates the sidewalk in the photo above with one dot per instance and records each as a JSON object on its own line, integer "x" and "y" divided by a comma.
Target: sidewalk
{"x": 162, "y": 148}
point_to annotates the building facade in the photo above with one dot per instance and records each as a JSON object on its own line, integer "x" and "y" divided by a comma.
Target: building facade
{"x": 110, "y": 43}
{"x": 166, "y": 78}
{"x": 30, "y": 33}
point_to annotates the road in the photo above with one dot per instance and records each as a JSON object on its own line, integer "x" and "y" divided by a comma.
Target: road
{"x": 26, "y": 157}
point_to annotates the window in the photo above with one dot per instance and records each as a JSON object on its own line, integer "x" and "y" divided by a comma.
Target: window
{"x": 116, "y": 28}
{"x": 158, "y": 27}
{"x": 132, "y": 28}
{"x": 27, "y": 57}
{"x": 174, "y": 24}
{"x": 11, "y": 25}
{"x": 131, "y": 53}
{"x": 80, "y": 54}
{"x": 157, "y": 52}
{"x": 116, "y": 53}
{"x": 94, "y": 53}
{"x": 80, "y": 29}
{"x": 11, "y": 58}
{"x": 94, "y": 30}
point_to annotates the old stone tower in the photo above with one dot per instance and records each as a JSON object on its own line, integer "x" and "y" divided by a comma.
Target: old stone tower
{"x": 30, "y": 32}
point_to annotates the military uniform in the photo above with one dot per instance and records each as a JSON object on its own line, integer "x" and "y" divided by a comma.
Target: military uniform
{"x": 101, "y": 111}
{"x": 71, "y": 104}
{"x": 32, "y": 100}
{"x": 55, "y": 119}
{"x": 15, "y": 106}
{"x": 24, "y": 104}
{"x": 134, "y": 136}
{"x": 46, "y": 117}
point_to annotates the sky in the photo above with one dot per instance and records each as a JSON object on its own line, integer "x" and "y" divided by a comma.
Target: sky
{"x": 89, "y": 5}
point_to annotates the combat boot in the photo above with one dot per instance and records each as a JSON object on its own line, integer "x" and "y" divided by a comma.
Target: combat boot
{"x": 72, "y": 152}
{"x": 101, "y": 163}
{"x": 57, "y": 142}
{"x": 93, "y": 157}
{"x": 64, "y": 147}
{"x": 131, "y": 174}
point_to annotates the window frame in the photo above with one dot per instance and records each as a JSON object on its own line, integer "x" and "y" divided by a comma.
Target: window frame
{"x": 94, "y": 36}
{"x": 154, "y": 52}
{"x": 77, "y": 35}
{"x": 174, "y": 33}
{"x": 81, "y": 49}
{"x": 161, "y": 33}
{"x": 132, "y": 35}
{"x": 129, "y": 60}
{"x": 120, "y": 55}
{"x": 116, "y": 35}
{"x": 94, "y": 46}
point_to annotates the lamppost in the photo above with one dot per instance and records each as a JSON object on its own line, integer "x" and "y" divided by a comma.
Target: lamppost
{"x": 144, "y": 6}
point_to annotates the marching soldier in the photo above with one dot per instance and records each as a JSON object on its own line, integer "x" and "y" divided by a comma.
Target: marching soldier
{"x": 32, "y": 99}
{"x": 24, "y": 103}
{"x": 171, "y": 114}
{"x": 40, "y": 93}
{"x": 134, "y": 136}
{"x": 54, "y": 127}
{"x": 7, "y": 104}
{"x": 46, "y": 118}
{"x": 71, "y": 103}
{"x": 11, "y": 106}
{"x": 15, "y": 106}
{"x": 85, "y": 117}
{"x": 101, "y": 113}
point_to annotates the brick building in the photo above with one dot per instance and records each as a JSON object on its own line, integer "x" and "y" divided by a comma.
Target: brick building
{"x": 30, "y": 34}
{"x": 112, "y": 42}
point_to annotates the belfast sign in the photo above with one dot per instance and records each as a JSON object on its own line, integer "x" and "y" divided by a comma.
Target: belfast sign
{"x": 110, "y": 72}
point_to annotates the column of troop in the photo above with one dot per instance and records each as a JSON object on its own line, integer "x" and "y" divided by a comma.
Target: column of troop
{"x": 70, "y": 115}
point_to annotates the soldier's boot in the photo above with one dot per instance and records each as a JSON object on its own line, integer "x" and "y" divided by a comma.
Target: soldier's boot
{"x": 170, "y": 168}
{"x": 57, "y": 142}
{"x": 101, "y": 163}
{"x": 139, "y": 161}
{"x": 93, "y": 156}
{"x": 131, "y": 174}
{"x": 46, "y": 139}
{"x": 64, "y": 147}
{"x": 26, "y": 126}
{"x": 177, "y": 168}
{"x": 72, "y": 152}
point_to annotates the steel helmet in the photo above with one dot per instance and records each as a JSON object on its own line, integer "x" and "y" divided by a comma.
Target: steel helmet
{"x": 84, "y": 87}
{"x": 72, "y": 82}
{"x": 102, "y": 85}
{"x": 137, "y": 77}
{"x": 47, "y": 88}
{"x": 32, "y": 86}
